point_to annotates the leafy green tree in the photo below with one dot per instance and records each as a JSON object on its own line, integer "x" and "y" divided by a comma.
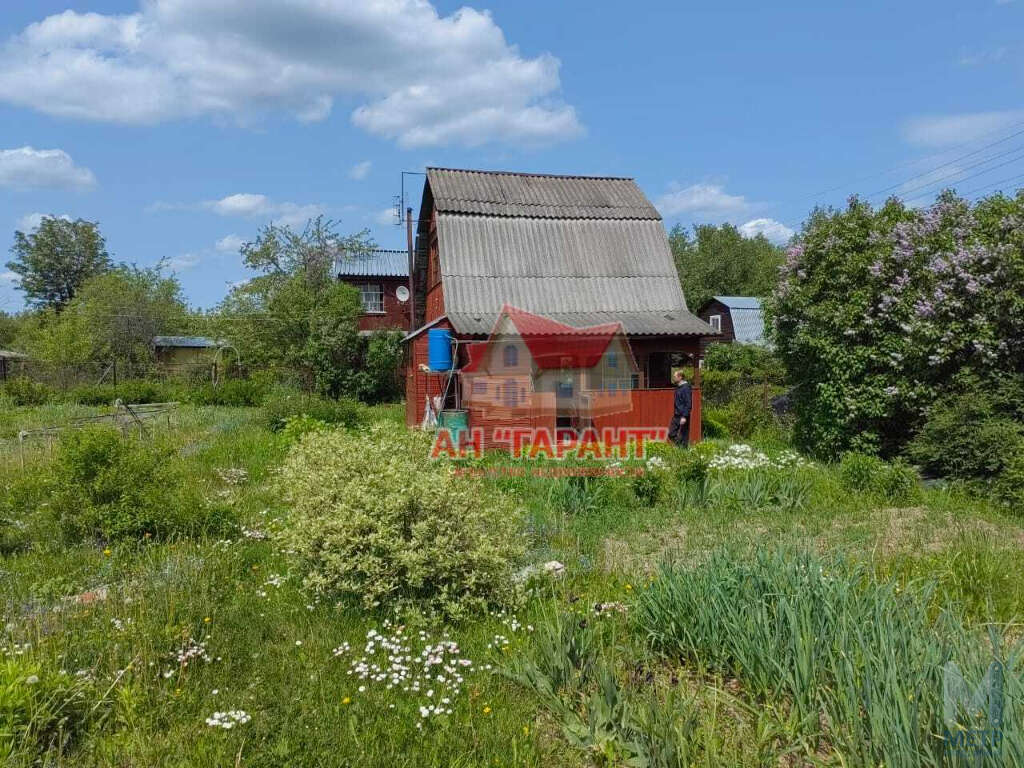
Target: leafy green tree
{"x": 113, "y": 317}
{"x": 718, "y": 260}
{"x": 10, "y": 325}
{"x": 296, "y": 315}
{"x": 56, "y": 259}
{"x": 879, "y": 312}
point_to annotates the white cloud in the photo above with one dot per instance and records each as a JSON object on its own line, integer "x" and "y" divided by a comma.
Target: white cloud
{"x": 360, "y": 171}
{"x": 9, "y": 277}
{"x": 985, "y": 56}
{"x": 28, "y": 167}
{"x": 701, "y": 200}
{"x": 387, "y": 216}
{"x": 30, "y": 221}
{"x": 417, "y": 77}
{"x": 948, "y": 130}
{"x": 229, "y": 244}
{"x": 262, "y": 207}
{"x": 183, "y": 262}
{"x": 775, "y": 231}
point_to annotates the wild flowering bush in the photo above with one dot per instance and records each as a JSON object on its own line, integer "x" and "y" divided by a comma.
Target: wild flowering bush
{"x": 107, "y": 486}
{"x": 877, "y": 311}
{"x": 376, "y": 522}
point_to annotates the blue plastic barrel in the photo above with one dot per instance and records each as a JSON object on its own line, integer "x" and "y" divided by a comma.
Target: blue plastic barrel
{"x": 439, "y": 349}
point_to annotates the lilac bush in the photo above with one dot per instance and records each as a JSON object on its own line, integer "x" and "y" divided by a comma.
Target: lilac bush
{"x": 878, "y": 312}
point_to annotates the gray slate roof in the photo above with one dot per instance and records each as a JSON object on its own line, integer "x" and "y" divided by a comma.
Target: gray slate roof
{"x": 375, "y": 263}
{"x": 747, "y": 318}
{"x": 581, "y": 250}
{"x": 527, "y": 194}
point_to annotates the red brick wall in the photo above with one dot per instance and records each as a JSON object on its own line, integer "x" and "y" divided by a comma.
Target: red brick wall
{"x": 396, "y": 313}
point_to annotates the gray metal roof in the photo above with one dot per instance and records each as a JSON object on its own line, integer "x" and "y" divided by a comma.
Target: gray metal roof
{"x": 10, "y": 354}
{"x": 498, "y": 193}
{"x": 545, "y": 251}
{"x": 197, "y": 342}
{"x": 740, "y": 302}
{"x": 748, "y": 326}
{"x": 375, "y": 263}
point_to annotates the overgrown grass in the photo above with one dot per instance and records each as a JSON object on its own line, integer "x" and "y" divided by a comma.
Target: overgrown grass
{"x": 640, "y": 653}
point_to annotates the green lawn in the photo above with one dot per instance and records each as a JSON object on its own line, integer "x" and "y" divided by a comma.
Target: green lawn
{"x": 136, "y": 645}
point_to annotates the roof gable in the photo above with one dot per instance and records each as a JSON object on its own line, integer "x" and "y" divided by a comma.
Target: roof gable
{"x": 580, "y": 250}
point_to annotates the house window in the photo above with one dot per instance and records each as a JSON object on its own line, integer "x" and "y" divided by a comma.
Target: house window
{"x": 372, "y": 296}
{"x": 479, "y": 387}
{"x": 613, "y": 360}
{"x": 511, "y": 393}
{"x": 715, "y": 321}
{"x": 564, "y": 387}
{"x": 511, "y": 356}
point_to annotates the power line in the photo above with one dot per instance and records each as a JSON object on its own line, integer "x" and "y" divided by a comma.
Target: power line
{"x": 976, "y": 190}
{"x": 961, "y": 171}
{"x": 915, "y": 161}
{"x": 975, "y": 175}
{"x": 946, "y": 164}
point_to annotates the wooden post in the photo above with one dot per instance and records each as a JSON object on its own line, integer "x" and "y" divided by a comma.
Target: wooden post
{"x": 695, "y": 407}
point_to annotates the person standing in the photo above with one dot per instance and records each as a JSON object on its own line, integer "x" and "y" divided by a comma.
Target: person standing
{"x": 679, "y": 429}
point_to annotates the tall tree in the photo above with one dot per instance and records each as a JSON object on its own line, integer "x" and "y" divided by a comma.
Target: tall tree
{"x": 114, "y": 316}
{"x": 296, "y": 315}
{"x": 53, "y": 261}
{"x": 719, "y": 260}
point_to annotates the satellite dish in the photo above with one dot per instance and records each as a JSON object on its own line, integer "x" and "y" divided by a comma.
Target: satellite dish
{"x": 402, "y": 293}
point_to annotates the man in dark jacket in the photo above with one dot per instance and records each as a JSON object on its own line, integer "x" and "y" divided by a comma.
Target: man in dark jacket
{"x": 679, "y": 429}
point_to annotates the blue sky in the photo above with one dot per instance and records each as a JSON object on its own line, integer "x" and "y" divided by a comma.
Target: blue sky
{"x": 183, "y": 125}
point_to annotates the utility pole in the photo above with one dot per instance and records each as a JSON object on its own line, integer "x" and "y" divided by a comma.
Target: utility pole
{"x": 412, "y": 264}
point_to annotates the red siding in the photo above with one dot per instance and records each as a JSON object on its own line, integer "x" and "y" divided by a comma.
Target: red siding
{"x": 418, "y": 384}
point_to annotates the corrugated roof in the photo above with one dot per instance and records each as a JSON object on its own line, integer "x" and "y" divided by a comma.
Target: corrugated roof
{"x": 578, "y": 271}
{"x": 200, "y": 342}
{"x": 748, "y": 326}
{"x": 376, "y": 263}
{"x": 740, "y": 302}
{"x": 498, "y": 193}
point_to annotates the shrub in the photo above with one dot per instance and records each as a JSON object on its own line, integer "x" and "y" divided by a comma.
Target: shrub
{"x": 864, "y": 473}
{"x": 376, "y": 522}
{"x": 1009, "y": 486}
{"x": 128, "y": 391}
{"x": 712, "y": 424}
{"x": 283, "y": 403}
{"x": 110, "y": 487}
{"x": 24, "y": 391}
{"x": 238, "y": 393}
{"x": 965, "y": 436}
{"x": 746, "y": 412}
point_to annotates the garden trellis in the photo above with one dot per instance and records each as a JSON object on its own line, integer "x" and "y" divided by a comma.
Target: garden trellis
{"x": 126, "y": 417}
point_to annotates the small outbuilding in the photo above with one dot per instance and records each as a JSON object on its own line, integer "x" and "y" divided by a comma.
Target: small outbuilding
{"x": 735, "y": 318}
{"x": 184, "y": 351}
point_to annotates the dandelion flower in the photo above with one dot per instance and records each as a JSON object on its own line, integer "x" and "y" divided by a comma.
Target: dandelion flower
{"x": 107, "y": 551}
{"x": 346, "y": 700}
{"x": 487, "y": 710}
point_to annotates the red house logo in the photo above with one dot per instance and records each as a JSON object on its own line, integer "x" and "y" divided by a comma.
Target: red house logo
{"x": 532, "y": 367}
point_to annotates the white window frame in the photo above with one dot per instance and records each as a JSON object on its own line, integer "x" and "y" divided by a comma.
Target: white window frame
{"x": 371, "y": 295}
{"x": 715, "y": 321}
